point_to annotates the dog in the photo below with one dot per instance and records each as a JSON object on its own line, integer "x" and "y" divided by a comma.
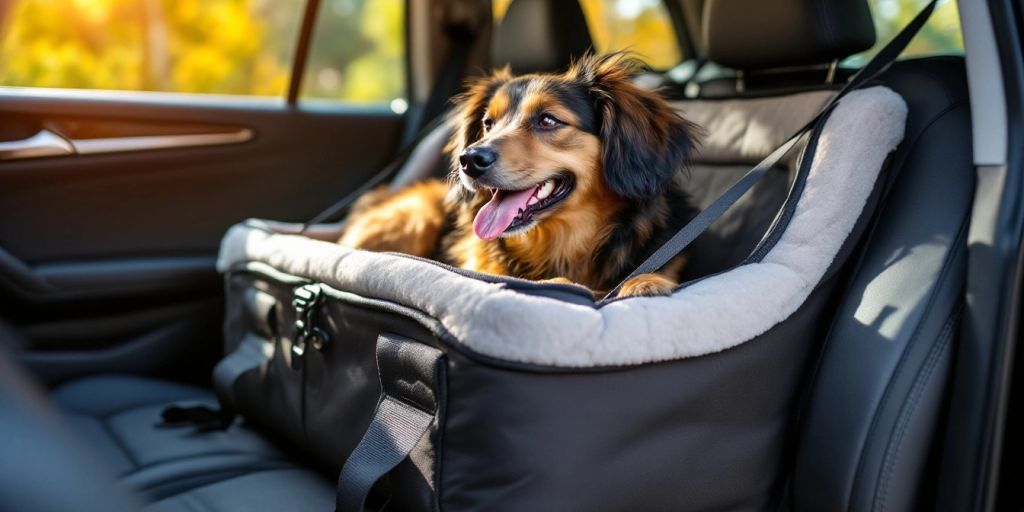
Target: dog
{"x": 568, "y": 178}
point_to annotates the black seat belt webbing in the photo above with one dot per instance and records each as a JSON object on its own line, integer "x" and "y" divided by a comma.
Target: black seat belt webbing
{"x": 461, "y": 39}
{"x": 333, "y": 211}
{"x": 688, "y": 233}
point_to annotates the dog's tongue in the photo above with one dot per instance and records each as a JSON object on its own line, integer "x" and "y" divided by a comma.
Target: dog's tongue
{"x": 495, "y": 217}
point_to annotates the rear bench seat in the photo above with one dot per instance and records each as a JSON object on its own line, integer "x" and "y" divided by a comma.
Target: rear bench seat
{"x": 177, "y": 469}
{"x": 118, "y": 415}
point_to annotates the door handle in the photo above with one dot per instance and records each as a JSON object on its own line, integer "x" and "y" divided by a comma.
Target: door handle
{"x": 48, "y": 143}
{"x": 151, "y": 142}
{"x": 44, "y": 143}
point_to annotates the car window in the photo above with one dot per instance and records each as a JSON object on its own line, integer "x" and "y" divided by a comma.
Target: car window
{"x": 234, "y": 47}
{"x": 358, "y": 53}
{"x": 641, "y": 26}
{"x": 940, "y": 35}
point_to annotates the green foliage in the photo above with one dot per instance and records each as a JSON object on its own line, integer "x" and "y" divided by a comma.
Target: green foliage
{"x": 941, "y": 35}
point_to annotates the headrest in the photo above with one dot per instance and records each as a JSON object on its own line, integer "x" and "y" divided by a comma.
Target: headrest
{"x": 540, "y": 35}
{"x": 761, "y": 34}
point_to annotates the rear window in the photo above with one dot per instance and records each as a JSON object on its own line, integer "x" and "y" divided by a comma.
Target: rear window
{"x": 643, "y": 27}
{"x": 940, "y": 36}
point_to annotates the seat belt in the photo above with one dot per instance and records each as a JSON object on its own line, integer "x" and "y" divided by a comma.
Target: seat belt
{"x": 461, "y": 39}
{"x": 336, "y": 211}
{"x": 462, "y": 35}
{"x": 699, "y": 224}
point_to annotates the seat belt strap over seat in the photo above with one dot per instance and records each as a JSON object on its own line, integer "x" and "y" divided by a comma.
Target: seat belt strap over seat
{"x": 688, "y": 233}
{"x": 462, "y": 24}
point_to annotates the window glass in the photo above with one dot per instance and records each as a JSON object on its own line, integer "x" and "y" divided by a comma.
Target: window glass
{"x": 196, "y": 46}
{"x": 641, "y": 26}
{"x": 358, "y": 52}
{"x": 940, "y": 36}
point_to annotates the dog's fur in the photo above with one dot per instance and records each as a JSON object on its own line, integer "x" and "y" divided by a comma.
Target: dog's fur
{"x": 619, "y": 147}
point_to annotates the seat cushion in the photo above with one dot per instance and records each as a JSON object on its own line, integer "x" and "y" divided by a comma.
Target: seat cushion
{"x": 119, "y": 416}
{"x": 294, "y": 490}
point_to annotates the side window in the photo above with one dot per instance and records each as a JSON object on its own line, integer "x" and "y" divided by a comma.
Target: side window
{"x": 357, "y": 53}
{"x": 231, "y": 47}
{"x": 940, "y": 36}
{"x": 192, "y": 46}
{"x": 643, "y": 27}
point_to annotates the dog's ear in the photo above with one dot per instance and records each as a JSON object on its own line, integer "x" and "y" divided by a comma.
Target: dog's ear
{"x": 645, "y": 142}
{"x": 467, "y": 116}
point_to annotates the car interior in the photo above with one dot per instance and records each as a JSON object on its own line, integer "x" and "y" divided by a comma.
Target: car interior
{"x": 111, "y": 308}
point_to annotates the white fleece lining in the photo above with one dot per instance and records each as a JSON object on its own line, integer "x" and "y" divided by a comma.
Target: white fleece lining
{"x": 709, "y": 316}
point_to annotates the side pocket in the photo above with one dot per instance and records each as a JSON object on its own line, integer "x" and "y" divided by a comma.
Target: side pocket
{"x": 395, "y": 462}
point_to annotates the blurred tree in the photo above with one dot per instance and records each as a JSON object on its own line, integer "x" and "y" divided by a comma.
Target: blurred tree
{"x": 643, "y": 26}
{"x": 242, "y": 47}
{"x": 245, "y": 47}
{"x": 640, "y": 26}
{"x": 358, "y": 51}
{"x": 941, "y": 35}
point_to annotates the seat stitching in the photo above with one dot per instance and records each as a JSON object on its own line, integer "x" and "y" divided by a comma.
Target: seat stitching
{"x": 916, "y": 393}
{"x": 118, "y": 442}
{"x": 233, "y": 472}
{"x": 901, "y": 365}
{"x": 168, "y": 460}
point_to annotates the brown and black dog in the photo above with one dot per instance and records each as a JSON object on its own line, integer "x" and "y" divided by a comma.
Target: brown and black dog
{"x": 566, "y": 177}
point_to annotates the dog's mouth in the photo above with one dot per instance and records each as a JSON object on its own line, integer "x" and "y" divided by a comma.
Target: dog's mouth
{"x": 514, "y": 211}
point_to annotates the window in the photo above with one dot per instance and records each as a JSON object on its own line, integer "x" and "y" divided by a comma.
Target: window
{"x": 940, "y": 36}
{"x": 236, "y": 47}
{"x": 641, "y": 26}
{"x": 358, "y": 52}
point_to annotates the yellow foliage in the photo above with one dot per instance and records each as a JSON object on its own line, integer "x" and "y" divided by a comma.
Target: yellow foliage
{"x": 245, "y": 47}
{"x": 242, "y": 47}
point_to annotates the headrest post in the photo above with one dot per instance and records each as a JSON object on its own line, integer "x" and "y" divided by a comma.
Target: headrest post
{"x": 740, "y": 83}
{"x": 830, "y": 76}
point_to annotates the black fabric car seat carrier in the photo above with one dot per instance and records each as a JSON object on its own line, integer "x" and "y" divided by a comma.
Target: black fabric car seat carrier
{"x": 428, "y": 387}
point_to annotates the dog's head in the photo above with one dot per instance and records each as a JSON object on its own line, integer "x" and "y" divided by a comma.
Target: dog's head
{"x": 539, "y": 145}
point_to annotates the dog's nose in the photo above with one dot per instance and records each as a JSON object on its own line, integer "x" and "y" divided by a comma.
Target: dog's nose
{"x": 477, "y": 161}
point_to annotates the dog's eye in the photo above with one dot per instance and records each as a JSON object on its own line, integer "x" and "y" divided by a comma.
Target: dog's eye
{"x": 488, "y": 123}
{"x": 548, "y": 122}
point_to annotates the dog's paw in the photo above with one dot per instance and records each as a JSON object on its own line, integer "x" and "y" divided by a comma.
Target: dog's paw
{"x": 648, "y": 285}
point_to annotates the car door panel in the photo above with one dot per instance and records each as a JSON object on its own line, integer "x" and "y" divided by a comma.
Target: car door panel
{"x": 105, "y": 255}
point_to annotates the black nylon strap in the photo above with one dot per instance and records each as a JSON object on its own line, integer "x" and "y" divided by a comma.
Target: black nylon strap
{"x": 688, "y": 233}
{"x": 394, "y": 431}
{"x": 411, "y": 377}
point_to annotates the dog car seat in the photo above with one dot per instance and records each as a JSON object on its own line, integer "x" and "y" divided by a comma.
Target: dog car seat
{"x": 437, "y": 388}
{"x": 530, "y": 383}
